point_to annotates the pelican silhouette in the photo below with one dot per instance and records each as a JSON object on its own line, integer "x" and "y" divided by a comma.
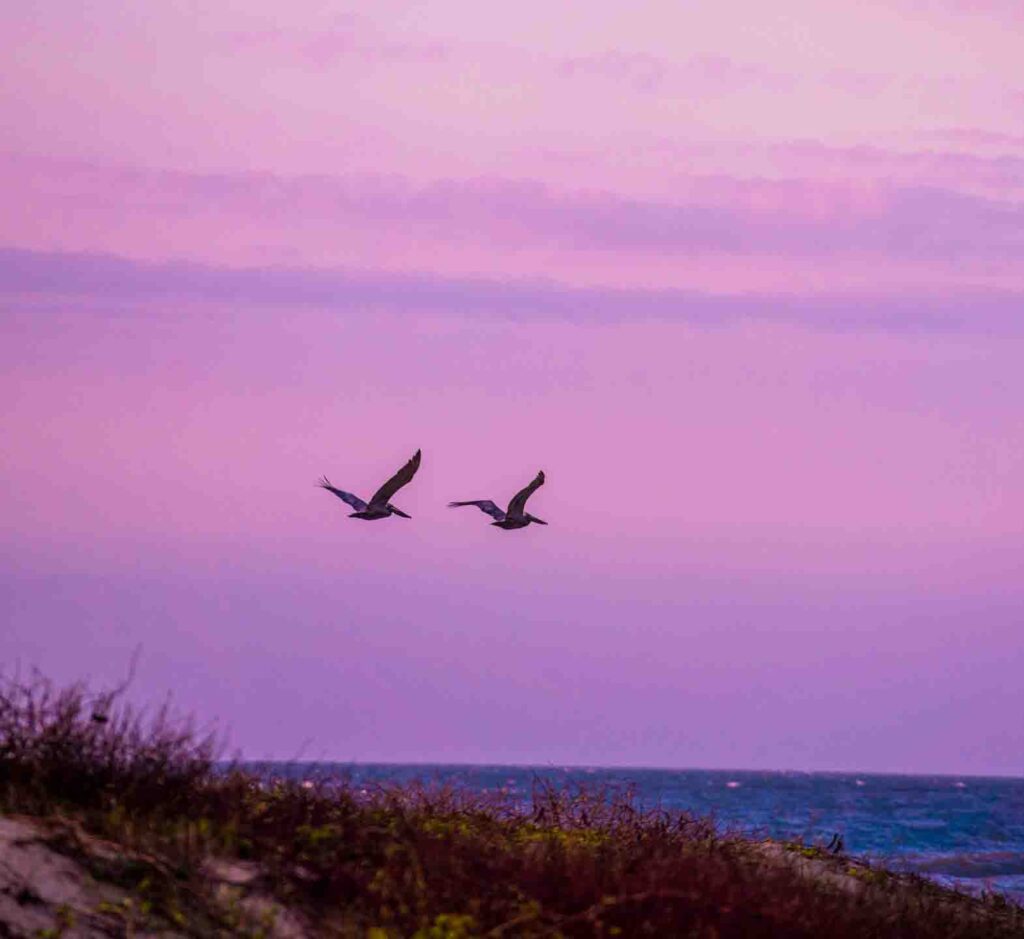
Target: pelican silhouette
{"x": 515, "y": 516}
{"x": 379, "y": 506}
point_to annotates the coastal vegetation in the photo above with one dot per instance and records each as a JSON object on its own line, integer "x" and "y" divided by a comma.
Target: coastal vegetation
{"x": 164, "y": 837}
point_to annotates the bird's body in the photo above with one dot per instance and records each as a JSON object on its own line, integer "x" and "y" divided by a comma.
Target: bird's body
{"x": 509, "y": 523}
{"x": 379, "y": 505}
{"x": 516, "y": 515}
{"x": 372, "y": 514}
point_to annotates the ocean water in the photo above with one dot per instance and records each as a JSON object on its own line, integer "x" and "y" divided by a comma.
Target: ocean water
{"x": 963, "y": 831}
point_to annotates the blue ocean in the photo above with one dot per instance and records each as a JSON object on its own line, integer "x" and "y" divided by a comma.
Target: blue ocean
{"x": 962, "y": 831}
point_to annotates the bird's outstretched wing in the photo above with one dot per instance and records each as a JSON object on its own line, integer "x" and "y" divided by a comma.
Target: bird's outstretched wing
{"x": 484, "y": 505}
{"x": 518, "y": 503}
{"x": 352, "y": 500}
{"x": 383, "y": 495}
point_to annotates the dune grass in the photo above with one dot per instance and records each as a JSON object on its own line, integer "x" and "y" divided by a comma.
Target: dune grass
{"x": 432, "y": 861}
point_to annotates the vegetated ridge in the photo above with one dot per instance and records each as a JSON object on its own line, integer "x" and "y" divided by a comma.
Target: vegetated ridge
{"x": 115, "y": 823}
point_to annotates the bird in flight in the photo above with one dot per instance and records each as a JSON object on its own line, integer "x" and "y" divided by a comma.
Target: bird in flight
{"x": 379, "y": 506}
{"x": 515, "y": 516}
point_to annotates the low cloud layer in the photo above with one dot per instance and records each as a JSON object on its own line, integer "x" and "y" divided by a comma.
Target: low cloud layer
{"x": 112, "y": 280}
{"x": 794, "y": 218}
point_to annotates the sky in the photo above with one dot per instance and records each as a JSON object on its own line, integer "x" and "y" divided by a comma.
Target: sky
{"x": 744, "y": 279}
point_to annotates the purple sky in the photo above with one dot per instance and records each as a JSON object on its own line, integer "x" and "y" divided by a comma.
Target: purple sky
{"x": 745, "y": 280}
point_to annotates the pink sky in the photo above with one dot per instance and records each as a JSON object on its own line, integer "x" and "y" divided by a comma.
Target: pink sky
{"x": 744, "y": 279}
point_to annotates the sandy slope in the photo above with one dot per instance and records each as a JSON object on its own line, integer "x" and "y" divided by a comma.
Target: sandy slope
{"x": 57, "y": 880}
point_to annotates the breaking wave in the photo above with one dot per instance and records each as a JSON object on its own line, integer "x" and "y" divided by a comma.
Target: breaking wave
{"x": 968, "y": 865}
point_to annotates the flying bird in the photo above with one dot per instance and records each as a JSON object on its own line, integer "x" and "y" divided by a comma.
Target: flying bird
{"x": 515, "y": 516}
{"x": 379, "y": 506}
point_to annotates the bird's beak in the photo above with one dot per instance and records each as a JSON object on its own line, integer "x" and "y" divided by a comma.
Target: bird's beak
{"x": 539, "y": 521}
{"x": 400, "y": 512}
